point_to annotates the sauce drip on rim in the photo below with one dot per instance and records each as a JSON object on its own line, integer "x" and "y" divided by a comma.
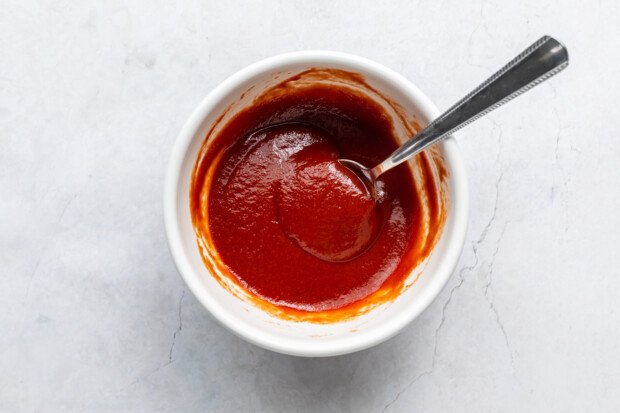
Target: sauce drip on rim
{"x": 278, "y": 217}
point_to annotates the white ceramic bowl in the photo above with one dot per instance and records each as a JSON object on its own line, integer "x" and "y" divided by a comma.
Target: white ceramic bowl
{"x": 253, "y": 324}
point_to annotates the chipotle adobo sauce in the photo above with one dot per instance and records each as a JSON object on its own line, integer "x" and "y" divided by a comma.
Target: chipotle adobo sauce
{"x": 279, "y": 216}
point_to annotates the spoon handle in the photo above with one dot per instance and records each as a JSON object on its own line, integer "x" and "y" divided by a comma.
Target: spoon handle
{"x": 536, "y": 64}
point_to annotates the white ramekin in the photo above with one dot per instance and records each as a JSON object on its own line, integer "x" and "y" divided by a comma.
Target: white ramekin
{"x": 253, "y": 324}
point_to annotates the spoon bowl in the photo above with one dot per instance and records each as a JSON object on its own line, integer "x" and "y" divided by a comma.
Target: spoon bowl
{"x": 365, "y": 174}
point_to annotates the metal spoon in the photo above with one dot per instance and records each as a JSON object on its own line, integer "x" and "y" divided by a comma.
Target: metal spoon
{"x": 536, "y": 64}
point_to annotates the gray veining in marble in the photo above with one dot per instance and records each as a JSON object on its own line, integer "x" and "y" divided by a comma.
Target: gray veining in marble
{"x": 93, "y": 314}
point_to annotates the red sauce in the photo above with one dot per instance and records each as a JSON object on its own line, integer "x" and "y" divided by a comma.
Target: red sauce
{"x": 277, "y": 215}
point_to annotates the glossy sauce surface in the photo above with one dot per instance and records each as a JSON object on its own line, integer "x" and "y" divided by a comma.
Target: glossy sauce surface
{"x": 277, "y": 213}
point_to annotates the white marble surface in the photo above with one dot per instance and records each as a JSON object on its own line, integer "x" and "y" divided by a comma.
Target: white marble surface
{"x": 93, "y": 314}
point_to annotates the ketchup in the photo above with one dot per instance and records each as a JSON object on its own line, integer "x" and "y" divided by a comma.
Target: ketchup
{"x": 278, "y": 214}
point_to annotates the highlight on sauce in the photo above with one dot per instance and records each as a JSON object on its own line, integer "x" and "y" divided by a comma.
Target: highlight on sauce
{"x": 281, "y": 223}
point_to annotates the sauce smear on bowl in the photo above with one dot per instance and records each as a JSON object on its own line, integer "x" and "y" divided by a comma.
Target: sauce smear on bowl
{"x": 278, "y": 217}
